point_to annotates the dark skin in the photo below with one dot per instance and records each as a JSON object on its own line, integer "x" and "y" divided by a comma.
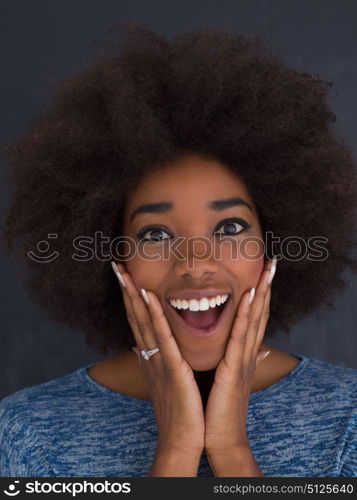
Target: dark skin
{"x": 190, "y": 184}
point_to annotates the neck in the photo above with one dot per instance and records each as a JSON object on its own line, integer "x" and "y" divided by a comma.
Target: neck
{"x": 132, "y": 376}
{"x": 204, "y": 380}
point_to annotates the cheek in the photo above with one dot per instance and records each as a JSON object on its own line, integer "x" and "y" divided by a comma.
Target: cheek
{"x": 254, "y": 271}
{"x": 244, "y": 256}
{"x": 247, "y": 271}
{"x": 248, "y": 249}
{"x": 148, "y": 274}
{"x": 252, "y": 250}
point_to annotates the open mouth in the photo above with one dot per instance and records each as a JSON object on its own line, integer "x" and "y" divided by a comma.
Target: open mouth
{"x": 201, "y": 323}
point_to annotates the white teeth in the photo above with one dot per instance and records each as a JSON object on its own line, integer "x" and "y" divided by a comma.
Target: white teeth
{"x": 204, "y": 304}
{"x": 199, "y": 305}
{"x": 194, "y": 305}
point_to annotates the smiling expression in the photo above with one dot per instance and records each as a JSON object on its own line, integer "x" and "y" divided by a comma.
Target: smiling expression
{"x": 204, "y": 205}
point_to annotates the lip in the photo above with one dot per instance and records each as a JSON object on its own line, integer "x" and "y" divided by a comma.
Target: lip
{"x": 200, "y": 332}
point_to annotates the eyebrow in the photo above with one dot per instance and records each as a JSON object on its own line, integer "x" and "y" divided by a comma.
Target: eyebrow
{"x": 166, "y": 206}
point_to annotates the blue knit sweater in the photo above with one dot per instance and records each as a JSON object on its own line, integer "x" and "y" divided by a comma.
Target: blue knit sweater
{"x": 303, "y": 425}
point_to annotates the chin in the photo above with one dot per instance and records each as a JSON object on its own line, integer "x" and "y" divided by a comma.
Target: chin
{"x": 204, "y": 361}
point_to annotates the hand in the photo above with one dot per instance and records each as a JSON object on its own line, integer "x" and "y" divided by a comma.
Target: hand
{"x": 227, "y": 405}
{"x": 174, "y": 392}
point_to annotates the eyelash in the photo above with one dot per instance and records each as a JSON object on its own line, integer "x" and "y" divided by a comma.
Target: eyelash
{"x": 140, "y": 234}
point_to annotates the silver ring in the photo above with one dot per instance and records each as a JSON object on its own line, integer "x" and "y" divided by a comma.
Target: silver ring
{"x": 147, "y": 354}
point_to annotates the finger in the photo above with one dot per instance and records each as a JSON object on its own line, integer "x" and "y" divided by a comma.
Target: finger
{"x": 132, "y": 320}
{"x": 256, "y": 311}
{"x": 235, "y": 348}
{"x": 166, "y": 342}
{"x": 159, "y": 331}
{"x": 263, "y": 320}
{"x": 141, "y": 313}
{"x": 262, "y": 354}
{"x": 137, "y": 312}
{"x": 129, "y": 309}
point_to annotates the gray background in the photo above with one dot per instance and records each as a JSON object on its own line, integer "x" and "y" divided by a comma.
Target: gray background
{"x": 45, "y": 39}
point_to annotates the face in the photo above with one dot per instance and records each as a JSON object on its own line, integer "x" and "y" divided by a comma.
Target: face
{"x": 219, "y": 250}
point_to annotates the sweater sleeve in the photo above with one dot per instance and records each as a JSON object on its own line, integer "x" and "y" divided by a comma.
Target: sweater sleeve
{"x": 349, "y": 454}
{"x": 21, "y": 453}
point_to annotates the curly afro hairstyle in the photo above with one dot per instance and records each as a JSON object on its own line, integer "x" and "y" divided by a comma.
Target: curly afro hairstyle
{"x": 145, "y": 100}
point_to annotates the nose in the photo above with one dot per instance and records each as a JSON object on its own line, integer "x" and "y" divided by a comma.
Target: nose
{"x": 196, "y": 259}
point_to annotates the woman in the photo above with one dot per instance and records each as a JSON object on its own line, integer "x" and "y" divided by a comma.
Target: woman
{"x": 208, "y": 165}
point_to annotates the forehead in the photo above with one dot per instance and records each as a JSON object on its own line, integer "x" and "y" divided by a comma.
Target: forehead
{"x": 192, "y": 180}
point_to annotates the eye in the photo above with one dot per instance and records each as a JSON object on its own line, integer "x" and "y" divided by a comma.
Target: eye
{"x": 154, "y": 232}
{"x": 233, "y": 226}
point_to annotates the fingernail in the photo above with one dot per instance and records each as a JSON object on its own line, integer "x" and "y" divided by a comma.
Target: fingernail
{"x": 272, "y": 271}
{"x": 120, "y": 277}
{"x": 145, "y": 295}
{"x": 251, "y": 295}
{"x": 266, "y": 354}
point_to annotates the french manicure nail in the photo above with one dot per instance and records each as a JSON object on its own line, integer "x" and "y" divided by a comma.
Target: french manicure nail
{"x": 145, "y": 295}
{"x": 251, "y": 296}
{"x": 120, "y": 277}
{"x": 266, "y": 354}
{"x": 272, "y": 271}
